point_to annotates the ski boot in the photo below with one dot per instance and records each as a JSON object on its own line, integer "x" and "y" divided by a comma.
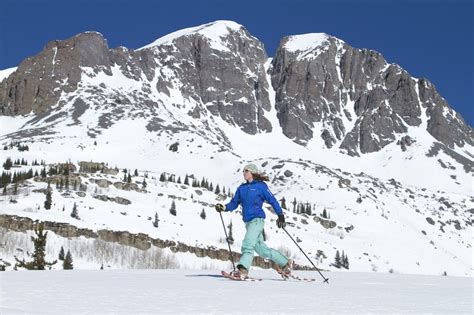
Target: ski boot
{"x": 285, "y": 271}
{"x": 241, "y": 272}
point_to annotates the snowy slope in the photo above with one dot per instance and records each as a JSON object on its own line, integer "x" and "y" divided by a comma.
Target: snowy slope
{"x": 189, "y": 291}
{"x": 6, "y": 72}
{"x": 306, "y": 45}
{"x": 381, "y": 226}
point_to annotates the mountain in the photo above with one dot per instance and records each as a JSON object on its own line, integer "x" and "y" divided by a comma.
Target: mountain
{"x": 360, "y": 102}
{"x": 336, "y": 128}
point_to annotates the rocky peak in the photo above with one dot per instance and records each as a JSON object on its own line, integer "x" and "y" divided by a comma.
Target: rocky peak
{"x": 353, "y": 98}
{"x": 38, "y": 81}
{"x": 221, "y": 65}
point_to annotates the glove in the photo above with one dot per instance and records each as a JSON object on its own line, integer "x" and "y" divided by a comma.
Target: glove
{"x": 219, "y": 207}
{"x": 281, "y": 221}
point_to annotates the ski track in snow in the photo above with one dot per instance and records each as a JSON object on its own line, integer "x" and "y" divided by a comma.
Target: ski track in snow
{"x": 204, "y": 291}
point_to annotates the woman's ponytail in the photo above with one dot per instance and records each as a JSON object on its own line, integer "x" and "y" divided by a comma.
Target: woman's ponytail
{"x": 261, "y": 177}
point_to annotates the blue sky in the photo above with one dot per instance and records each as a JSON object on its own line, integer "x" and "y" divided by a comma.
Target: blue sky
{"x": 429, "y": 38}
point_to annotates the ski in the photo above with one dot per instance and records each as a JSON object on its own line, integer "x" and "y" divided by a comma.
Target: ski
{"x": 290, "y": 275}
{"x": 229, "y": 276}
{"x": 301, "y": 278}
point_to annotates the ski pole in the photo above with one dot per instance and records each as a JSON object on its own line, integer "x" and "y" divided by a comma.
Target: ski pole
{"x": 325, "y": 279}
{"x": 227, "y": 239}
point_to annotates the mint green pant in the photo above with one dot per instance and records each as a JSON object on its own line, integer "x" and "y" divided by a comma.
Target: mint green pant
{"x": 253, "y": 241}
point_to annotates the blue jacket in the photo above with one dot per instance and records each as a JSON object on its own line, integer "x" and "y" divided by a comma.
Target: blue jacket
{"x": 251, "y": 196}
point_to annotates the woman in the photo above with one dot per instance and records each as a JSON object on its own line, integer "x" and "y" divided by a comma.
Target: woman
{"x": 251, "y": 196}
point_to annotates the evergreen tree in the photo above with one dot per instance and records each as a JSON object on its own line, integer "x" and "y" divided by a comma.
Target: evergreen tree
{"x": 162, "y": 177}
{"x": 48, "y": 201}
{"x": 38, "y": 256}
{"x": 43, "y": 172}
{"x": 345, "y": 261}
{"x": 61, "y": 254}
{"x": 173, "y": 208}
{"x": 4, "y": 190}
{"x": 203, "y": 214}
{"x": 144, "y": 183}
{"x": 283, "y": 203}
{"x": 124, "y": 177}
{"x": 217, "y": 191}
{"x": 325, "y": 214}
{"x": 135, "y": 173}
{"x": 186, "y": 180}
{"x": 337, "y": 260}
{"x": 299, "y": 209}
{"x": 74, "y": 212}
{"x": 155, "y": 223}
{"x": 230, "y": 238}
{"x": 67, "y": 263}
{"x": 129, "y": 178}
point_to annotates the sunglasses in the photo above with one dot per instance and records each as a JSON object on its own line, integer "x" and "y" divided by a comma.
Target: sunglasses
{"x": 245, "y": 171}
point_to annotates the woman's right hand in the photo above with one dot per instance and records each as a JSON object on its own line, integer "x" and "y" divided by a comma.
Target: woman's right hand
{"x": 219, "y": 207}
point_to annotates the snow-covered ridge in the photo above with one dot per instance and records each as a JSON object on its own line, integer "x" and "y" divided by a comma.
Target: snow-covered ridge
{"x": 212, "y": 31}
{"x": 305, "y": 42}
{"x": 6, "y": 72}
{"x": 307, "y": 45}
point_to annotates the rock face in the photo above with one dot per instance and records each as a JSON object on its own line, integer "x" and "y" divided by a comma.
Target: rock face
{"x": 325, "y": 90}
{"x": 38, "y": 81}
{"x": 358, "y": 100}
{"x": 220, "y": 64}
{"x": 137, "y": 240}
